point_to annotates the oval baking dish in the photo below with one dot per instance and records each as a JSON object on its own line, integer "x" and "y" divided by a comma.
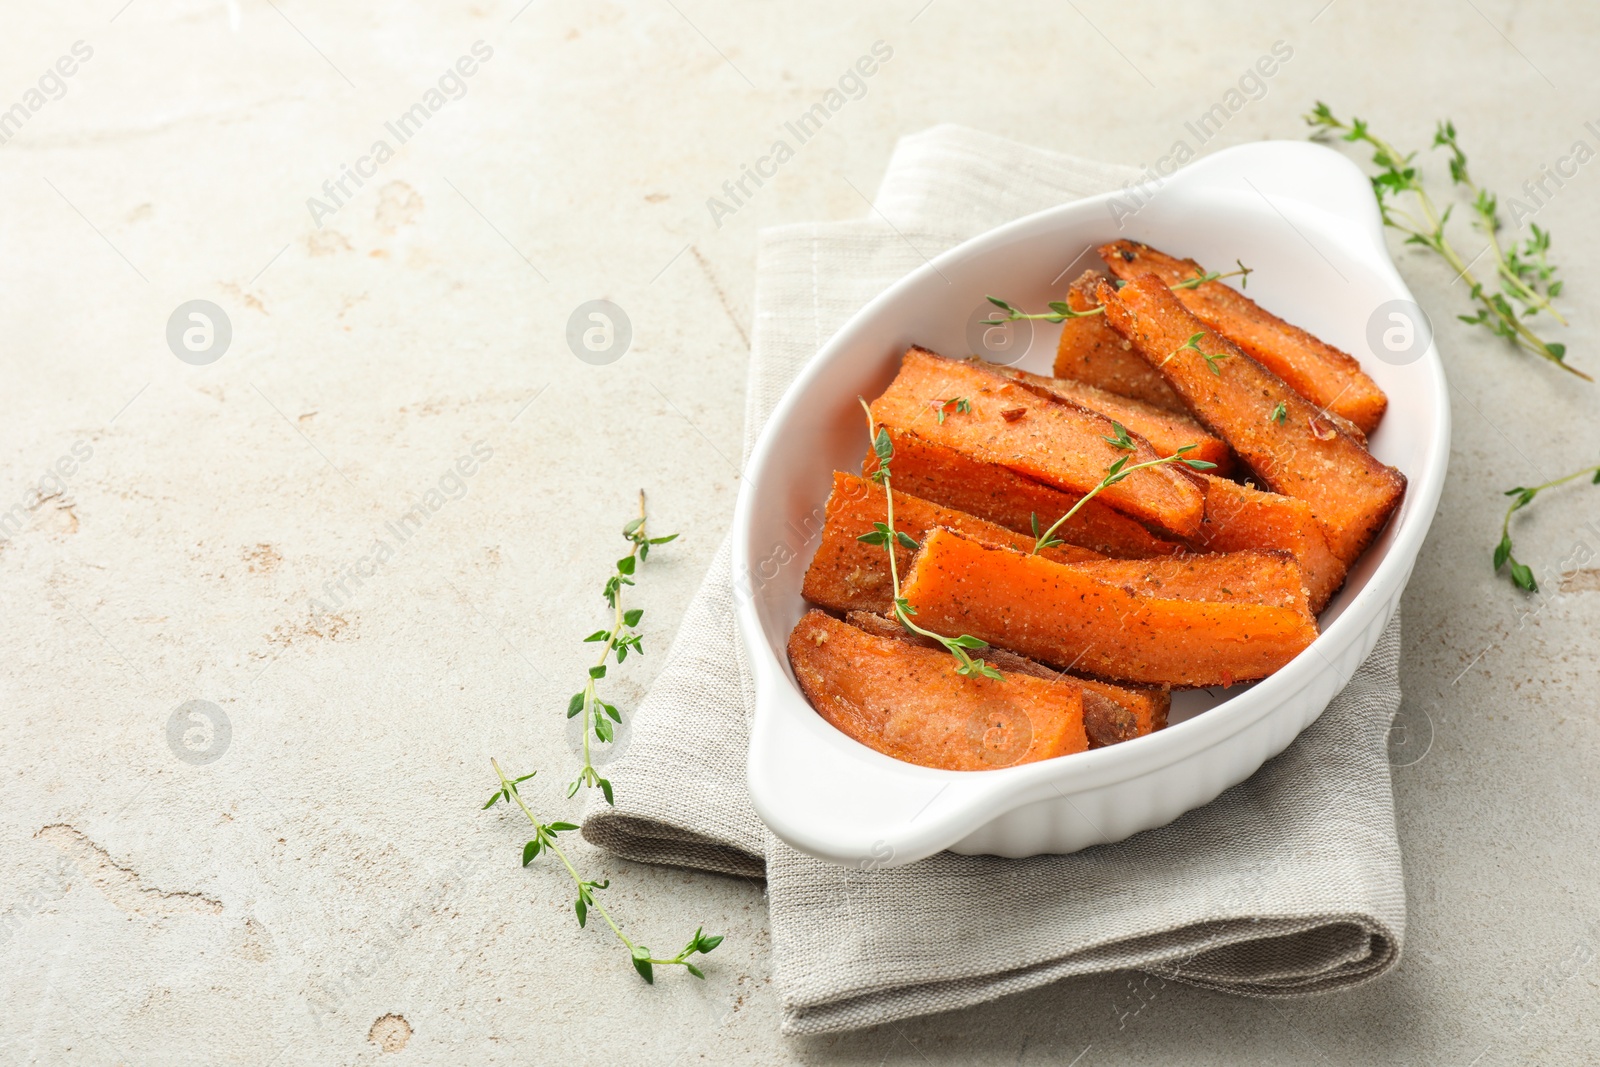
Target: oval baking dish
{"x": 1304, "y": 219}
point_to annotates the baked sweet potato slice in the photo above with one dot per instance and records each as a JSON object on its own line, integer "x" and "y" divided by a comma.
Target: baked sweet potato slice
{"x": 1240, "y": 517}
{"x": 1328, "y": 377}
{"x": 847, "y": 574}
{"x": 1111, "y": 713}
{"x": 1146, "y": 705}
{"x": 1167, "y": 431}
{"x": 1043, "y": 437}
{"x": 1252, "y": 576}
{"x": 1282, "y": 436}
{"x": 1090, "y": 351}
{"x": 1002, "y": 496}
{"x": 1066, "y": 615}
{"x": 908, "y": 702}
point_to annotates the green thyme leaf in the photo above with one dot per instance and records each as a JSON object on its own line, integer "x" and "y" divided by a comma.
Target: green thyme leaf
{"x": 1523, "y": 577}
{"x": 1502, "y": 551}
{"x": 1121, "y": 439}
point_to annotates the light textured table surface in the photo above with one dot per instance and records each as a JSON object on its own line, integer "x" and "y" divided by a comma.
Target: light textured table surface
{"x": 330, "y": 867}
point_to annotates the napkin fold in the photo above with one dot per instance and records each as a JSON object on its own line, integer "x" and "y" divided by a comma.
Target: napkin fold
{"x": 1285, "y": 885}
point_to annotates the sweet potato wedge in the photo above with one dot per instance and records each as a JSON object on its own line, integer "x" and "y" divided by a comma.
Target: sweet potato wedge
{"x": 1111, "y": 713}
{"x": 1090, "y": 351}
{"x": 1167, "y": 431}
{"x": 1239, "y": 517}
{"x": 908, "y": 702}
{"x": 847, "y": 574}
{"x": 1253, "y": 576}
{"x": 1303, "y": 455}
{"x": 1326, "y": 376}
{"x": 1146, "y": 705}
{"x": 1037, "y": 435}
{"x": 1063, "y": 614}
{"x": 1002, "y": 496}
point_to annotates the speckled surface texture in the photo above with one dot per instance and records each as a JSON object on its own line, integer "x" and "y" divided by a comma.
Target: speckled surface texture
{"x": 325, "y": 889}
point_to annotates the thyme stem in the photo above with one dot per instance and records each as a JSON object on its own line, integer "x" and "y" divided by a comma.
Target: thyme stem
{"x": 1521, "y": 574}
{"x": 545, "y": 840}
{"x": 1060, "y": 310}
{"x": 887, "y": 535}
{"x": 1397, "y": 175}
{"x": 1114, "y": 474}
{"x": 622, "y": 638}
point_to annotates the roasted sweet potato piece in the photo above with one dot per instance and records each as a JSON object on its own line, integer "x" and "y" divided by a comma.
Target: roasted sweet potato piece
{"x": 849, "y": 575}
{"x": 908, "y": 702}
{"x": 1111, "y": 713}
{"x": 1064, "y": 614}
{"x": 1252, "y": 576}
{"x": 1167, "y": 431}
{"x": 1090, "y": 351}
{"x": 1323, "y": 374}
{"x": 1046, "y": 438}
{"x": 1239, "y": 517}
{"x": 1002, "y": 496}
{"x": 1105, "y": 722}
{"x": 1147, "y": 705}
{"x": 1304, "y": 455}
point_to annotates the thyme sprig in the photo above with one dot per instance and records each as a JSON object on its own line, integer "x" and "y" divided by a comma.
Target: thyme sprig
{"x": 1122, "y": 439}
{"x": 1521, "y": 574}
{"x": 544, "y": 839}
{"x": 1061, "y": 311}
{"x": 599, "y": 716}
{"x": 1213, "y": 359}
{"x": 962, "y": 404}
{"x": 1521, "y": 272}
{"x": 1114, "y": 474}
{"x": 884, "y": 533}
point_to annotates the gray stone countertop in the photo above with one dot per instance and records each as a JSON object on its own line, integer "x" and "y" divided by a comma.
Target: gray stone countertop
{"x": 297, "y": 870}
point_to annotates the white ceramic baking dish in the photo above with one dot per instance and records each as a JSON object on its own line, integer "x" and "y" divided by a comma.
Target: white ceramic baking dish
{"x": 1304, "y": 219}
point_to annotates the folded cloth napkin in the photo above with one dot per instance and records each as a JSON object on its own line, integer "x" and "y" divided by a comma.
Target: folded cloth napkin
{"x": 1287, "y": 884}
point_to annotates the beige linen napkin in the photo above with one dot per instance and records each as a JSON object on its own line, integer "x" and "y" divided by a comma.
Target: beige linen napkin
{"x": 1287, "y": 884}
